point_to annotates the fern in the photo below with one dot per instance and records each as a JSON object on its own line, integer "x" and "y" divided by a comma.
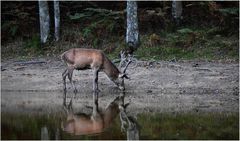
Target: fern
{"x": 78, "y": 16}
{"x": 185, "y": 31}
{"x": 229, "y": 11}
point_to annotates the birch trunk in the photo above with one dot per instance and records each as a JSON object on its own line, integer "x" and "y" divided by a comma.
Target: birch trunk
{"x": 132, "y": 35}
{"x": 177, "y": 11}
{"x": 44, "y": 20}
{"x": 56, "y": 20}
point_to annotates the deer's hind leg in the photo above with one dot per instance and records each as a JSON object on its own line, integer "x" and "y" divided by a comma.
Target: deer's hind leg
{"x": 64, "y": 75}
{"x": 70, "y": 72}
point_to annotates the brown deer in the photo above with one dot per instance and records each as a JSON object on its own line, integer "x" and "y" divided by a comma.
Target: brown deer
{"x": 83, "y": 124}
{"x": 82, "y": 59}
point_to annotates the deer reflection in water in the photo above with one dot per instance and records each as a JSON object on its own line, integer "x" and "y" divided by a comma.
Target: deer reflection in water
{"x": 83, "y": 124}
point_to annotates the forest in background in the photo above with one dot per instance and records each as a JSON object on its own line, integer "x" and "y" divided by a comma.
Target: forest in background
{"x": 208, "y": 30}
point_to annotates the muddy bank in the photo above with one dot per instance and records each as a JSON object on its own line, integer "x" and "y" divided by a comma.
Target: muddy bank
{"x": 189, "y": 86}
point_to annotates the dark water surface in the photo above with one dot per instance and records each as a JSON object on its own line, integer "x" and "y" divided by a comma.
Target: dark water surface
{"x": 150, "y": 126}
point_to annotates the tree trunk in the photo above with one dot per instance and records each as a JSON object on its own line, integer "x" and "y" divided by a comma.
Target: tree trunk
{"x": 57, "y": 20}
{"x": 132, "y": 35}
{"x": 44, "y": 20}
{"x": 177, "y": 11}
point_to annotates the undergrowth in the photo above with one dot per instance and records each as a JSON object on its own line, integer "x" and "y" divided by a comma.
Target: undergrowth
{"x": 183, "y": 44}
{"x": 209, "y": 34}
{"x": 186, "y": 44}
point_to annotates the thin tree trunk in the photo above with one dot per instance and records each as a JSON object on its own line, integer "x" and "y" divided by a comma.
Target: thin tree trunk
{"x": 132, "y": 35}
{"x": 177, "y": 11}
{"x": 44, "y": 20}
{"x": 57, "y": 20}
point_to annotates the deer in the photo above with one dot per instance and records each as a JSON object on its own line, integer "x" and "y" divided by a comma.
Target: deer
{"x": 96, "y": 122}
{"x": 82, "y": 59}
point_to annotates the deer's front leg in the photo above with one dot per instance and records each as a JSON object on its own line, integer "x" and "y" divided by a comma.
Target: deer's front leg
{"x": 95, "y": 104}
{"x": 95, "y": 80}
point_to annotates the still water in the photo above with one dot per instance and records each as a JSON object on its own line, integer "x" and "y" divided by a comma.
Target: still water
{"x": 113, "y": 122}
{"x": 149, "y": 126}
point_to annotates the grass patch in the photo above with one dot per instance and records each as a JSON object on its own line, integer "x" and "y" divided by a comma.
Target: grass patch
{"x": 187, "y": 44}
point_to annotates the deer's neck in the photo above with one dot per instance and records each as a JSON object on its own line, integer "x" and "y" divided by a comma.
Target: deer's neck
{"x": 110, "y": 69}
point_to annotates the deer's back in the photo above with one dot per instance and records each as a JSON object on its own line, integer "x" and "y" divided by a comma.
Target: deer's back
{"x": 82, "y": 58}
{"x": 80, "y": 125}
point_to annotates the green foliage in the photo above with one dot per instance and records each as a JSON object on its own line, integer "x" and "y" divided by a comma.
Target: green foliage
{"x": 185, "y": 31}
{"x": 10, "y": 27}
{"x": 16, "y": 20}
{"x": 99, "y": 24}
{"x": 34, "y": 42}
{"x": 33, "y": 46}
{"x": 189, "y": 43}
{"x": 87, "y": 31}
{"x": 164, "y": 53}
{"x": 229, "y": 11}
{"x": 96, "y": 12}
{"x": 209, "y": 30}
{"x": 13, "y": 30}
{"x": 78, "y": 16}
{"x": 230, "y": 22}
{"x": 105, "y": 13}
